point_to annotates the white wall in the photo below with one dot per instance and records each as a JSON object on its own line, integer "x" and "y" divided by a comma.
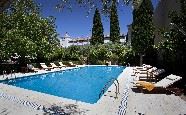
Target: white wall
{"x": 64, "y": 42}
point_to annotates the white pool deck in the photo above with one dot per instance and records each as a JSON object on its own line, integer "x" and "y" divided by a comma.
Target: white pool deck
{"x": 130, "y": 104}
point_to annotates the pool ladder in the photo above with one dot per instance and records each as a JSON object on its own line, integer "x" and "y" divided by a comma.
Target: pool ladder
{"x": 116, "y": 83}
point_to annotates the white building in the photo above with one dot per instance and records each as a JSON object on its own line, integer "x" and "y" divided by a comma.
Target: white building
{"x": 106, "y": 39}
{"x": 122, "y": 39}
{"x": 64, "y": 41}
{"x": 67, "y": 41}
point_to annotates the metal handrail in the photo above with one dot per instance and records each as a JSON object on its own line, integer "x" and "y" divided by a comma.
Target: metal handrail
{"x": 107, "y": 84}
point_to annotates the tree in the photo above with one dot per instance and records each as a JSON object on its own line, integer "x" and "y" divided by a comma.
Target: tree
{"x": 173, "y": 49}
{"x": 97, "y": 30}
{"x": 114, "y": 24}
{"x": 143, "y": 29}
{"x": 90, "y": 4}
{"x": 25, "y": 32}
{"x": 174, "y": 46}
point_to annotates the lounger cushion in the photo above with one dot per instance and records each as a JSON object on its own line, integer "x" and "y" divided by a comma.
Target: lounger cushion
{"x": 158, "y": 72}
{"x": 172, "y": 77}
{"x": 149, "y": 86}
{"x": 152, "y": 69}
{"x": 167, "y": 81}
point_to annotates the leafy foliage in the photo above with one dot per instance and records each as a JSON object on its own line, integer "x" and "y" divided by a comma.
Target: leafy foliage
{"x": 99, "y": 54}
{"x": 25, "y": 32}
{"x": 104, "y": 5}
{"x": 173, "y": 50}
{"x": 97, "y": 30}
{"x": 72, "y": 53}
{"x": 114, "y": 24}
{"x": 116, "y": 53}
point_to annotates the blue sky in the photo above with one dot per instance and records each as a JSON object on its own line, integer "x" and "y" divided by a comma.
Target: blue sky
{"x": 78, "y": 24}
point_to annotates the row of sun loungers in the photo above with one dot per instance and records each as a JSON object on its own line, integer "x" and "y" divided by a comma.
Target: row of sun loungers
{"x": 53, "y": 66}
{"x": 147, "y": 73}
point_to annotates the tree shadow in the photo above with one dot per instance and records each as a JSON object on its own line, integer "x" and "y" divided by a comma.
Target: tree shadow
{"x": 154, "y": 91}
{"x": 67, "y": 109}
{"x": 4, "y": 111}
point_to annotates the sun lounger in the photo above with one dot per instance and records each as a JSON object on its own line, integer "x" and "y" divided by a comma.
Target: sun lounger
{"x": 144, "y": 73}
{"x": 32, "y": 68}
{"x": 55, "y": 66}
{"x": 141, "y": 69}
{"x": 71, "y": 64}
{"x": 61, "y": 64}
{"x": 148, "y": 75}
{"x": 164, "y": 83}
{"x": 43, "y": 65}
{"x": 158, "y": 72}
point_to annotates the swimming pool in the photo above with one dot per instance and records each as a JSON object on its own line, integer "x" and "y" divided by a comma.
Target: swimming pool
{"x": 82, "y": 84}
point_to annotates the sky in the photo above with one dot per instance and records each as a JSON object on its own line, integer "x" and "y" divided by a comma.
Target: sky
{"x": 78, "y": 24}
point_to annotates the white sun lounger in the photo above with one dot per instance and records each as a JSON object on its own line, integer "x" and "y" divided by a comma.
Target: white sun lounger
{"x": 150, "y": 74}
{"x": 164, "y": 83}
{"x": 61, "y": 64}
{"x": 55, "y": 66}
{"x": 32, "y": 68}
{"x": 71, "y": 64}
{"x": 43, "y": 65}
{"x": 167, "y": 81}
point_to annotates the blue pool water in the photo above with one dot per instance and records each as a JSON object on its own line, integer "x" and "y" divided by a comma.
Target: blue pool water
{"x": 82, "y": 84}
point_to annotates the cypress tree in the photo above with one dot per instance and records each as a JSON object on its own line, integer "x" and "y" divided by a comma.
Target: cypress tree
{"x": 142, "y": 38}
{"x": 97, "y": 30}
{"x": 114, "y": 24}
